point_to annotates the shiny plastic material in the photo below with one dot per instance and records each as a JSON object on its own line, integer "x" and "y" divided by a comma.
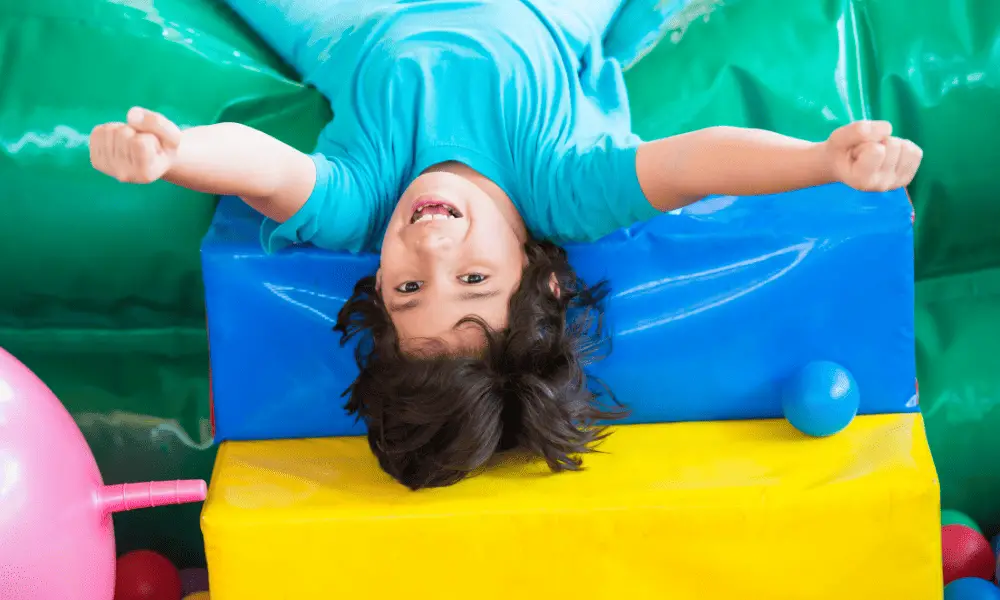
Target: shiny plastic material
{"x": 56, "y": 536}
{"x": 712, "y": 309}
{"x": 113, "y": 55}
{"x": 684, "y": 511}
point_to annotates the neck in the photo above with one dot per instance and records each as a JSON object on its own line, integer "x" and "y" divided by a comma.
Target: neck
{"x": 503, "y": 202}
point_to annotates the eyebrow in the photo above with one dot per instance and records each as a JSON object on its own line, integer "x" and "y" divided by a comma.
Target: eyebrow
{"x": 464, "y": 297}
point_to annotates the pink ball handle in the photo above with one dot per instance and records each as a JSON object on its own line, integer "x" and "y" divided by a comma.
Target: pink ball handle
{"x": 129, "y": 496}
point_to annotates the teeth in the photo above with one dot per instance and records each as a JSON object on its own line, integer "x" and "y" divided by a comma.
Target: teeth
{"x": 432, "y": 218}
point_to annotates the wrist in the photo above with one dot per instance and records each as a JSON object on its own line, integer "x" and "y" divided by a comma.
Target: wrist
{"x": 188, "y": 159}
{"x": 824, "y": 163}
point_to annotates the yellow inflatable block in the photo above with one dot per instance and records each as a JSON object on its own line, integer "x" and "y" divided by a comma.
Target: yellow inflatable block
{"x": 681, "y": 511}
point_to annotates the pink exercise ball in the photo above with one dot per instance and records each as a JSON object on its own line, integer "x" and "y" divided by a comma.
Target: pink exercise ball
{"x": 56, "y": 535}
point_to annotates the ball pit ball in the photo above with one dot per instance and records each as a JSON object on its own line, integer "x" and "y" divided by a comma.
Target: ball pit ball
{"x": 198, "y": 596}
{"x": 995, "y": 545}
{"x": 821, "y": 399}
{"x": 965, "y": 553}
{"x": 971, "y": 588}
{"x": 955, "y": 517}
{"x": 146, "y": 575}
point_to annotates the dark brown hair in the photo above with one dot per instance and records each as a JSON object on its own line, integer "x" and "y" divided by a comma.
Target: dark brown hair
{"x": 433, "y": 420}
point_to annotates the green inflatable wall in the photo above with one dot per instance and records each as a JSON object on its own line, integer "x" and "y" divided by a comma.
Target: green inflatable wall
{"x": 101, "y": 289}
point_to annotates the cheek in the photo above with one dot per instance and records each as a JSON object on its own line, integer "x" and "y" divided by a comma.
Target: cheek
{"x": 507, "y": 242}
{"x": 393, "y": 255}
{"x": 507, "y": 259}
{"x": 400, "y": 214}
{"x": 514, "y": 250}
{"x": 503, "y": 249}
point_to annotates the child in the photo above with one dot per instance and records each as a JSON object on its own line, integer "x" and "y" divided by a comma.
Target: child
{"x": 470, "y": 138}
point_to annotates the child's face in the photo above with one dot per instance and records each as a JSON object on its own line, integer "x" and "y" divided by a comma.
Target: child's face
{"x": 451, "y": 250}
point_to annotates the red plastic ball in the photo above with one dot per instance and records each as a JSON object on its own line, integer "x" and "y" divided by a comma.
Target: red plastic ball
{"x": 146, "y": 575}
{"x": 965, "y": 553}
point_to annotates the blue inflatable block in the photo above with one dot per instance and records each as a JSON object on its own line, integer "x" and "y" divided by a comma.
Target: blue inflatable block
{"x": 712, "y": 308}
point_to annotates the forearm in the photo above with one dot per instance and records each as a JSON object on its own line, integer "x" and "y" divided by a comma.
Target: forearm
{"x": 679, "y": 170}
{"x": 228, "y": 158}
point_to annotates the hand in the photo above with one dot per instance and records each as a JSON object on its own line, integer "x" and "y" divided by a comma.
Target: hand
{"x": 139, "y": 151}
{"x": 865, "y": 156}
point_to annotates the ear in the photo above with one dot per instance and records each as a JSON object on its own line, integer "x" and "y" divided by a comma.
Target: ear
{"x": 378, "y": 280}
{"x": 554, "y": 286}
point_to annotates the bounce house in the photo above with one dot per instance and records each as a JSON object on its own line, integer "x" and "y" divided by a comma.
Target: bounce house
{"x": 726, "y": 316}
{"x": 777, "y": 446}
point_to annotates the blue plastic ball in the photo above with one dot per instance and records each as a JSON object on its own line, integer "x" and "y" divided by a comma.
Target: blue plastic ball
{"x": 821, "y": 399}
{"x": 971, "y": 588}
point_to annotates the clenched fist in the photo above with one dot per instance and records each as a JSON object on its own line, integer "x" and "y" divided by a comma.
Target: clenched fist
{"x": 139, "y": 151}
{"x": 866, "y": 157}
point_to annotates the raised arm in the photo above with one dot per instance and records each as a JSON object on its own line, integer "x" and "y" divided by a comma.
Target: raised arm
{"x": 227, "y": 158}
{"x": 676, "y": 171}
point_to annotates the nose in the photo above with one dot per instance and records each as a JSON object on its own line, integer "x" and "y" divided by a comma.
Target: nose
{"x": 435, "y": 244}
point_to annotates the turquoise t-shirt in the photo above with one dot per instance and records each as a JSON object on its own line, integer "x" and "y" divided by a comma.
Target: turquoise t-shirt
{"x": 518, "y": 90}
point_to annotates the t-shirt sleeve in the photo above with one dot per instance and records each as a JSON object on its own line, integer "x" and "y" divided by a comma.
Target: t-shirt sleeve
{"x": 595, "y": 189}
{"x": 340, "y": 214}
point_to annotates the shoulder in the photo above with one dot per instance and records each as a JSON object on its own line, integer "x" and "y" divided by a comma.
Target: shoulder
{"x": 587, "y": 190}
{"x": 347, "y": 209}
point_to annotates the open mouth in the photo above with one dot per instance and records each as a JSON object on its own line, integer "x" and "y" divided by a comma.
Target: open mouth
{"x": 433, "y": 210}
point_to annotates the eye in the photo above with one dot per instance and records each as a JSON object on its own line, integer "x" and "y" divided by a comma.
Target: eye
{"x": 409, "y": 287}
{"x": 473, "y": 278}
